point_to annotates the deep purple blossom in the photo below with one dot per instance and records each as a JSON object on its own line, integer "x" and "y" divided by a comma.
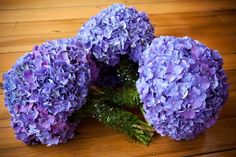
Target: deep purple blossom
{"x": 116, "y": 31}
{"x": 182, "y": 85}
{"x": 44, "y": 88}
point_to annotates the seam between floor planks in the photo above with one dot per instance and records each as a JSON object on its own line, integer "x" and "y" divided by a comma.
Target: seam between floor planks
{"x": 212, "y": 152}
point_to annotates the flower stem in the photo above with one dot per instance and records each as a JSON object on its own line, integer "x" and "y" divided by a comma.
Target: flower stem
{"x": 117, "y": 119}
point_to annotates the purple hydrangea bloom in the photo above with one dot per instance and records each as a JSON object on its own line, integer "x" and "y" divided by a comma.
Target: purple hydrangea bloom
{"x": 116, "y": 31}
{"x": 182, "y": 85}
{"x": 44, "y": 88}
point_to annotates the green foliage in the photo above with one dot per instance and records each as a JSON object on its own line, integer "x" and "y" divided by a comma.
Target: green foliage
{"x": 117, "y": 119}
{"x": 120, "y": 97}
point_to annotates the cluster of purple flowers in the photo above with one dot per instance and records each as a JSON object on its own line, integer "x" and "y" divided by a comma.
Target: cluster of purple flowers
{"x": 182, "y": 86}
{"x": 47, "y": 85}
{"x": 44, "y": 88}
{"x": 117, "y": 31}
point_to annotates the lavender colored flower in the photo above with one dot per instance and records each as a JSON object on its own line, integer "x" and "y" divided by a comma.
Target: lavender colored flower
{"x": 44, "y": 88}
{"x": 116, "y": 31}
{"x": 182, "y": 85}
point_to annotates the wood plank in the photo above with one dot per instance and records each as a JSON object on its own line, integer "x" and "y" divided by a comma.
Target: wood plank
{"x": 28, "y": 4}
{"x": 88, "y": 11}
{"x": 226, "y": 16}
{"x": 220, "y": 136}
{"x": 25, "y": 43}
{"x": 223, "y": 153}
{"x": 41, "y": 27}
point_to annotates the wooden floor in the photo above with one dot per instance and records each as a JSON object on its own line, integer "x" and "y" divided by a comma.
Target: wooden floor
{"x": 29, "y": 22}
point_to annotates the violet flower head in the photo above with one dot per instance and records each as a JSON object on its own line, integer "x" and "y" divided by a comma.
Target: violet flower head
{"x": 116, "y": 31}
{"x": 44, "y": 88}
{"x": 182, "y": 85}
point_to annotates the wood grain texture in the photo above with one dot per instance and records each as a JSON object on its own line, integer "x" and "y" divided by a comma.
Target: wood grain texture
{"x": 24, "y": 23}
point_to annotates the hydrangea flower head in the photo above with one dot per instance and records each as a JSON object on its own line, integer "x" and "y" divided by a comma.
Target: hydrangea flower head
{"x": 44, "y": 88}
{"x": 116, "y": 31}
{"x": 182, "y": 85}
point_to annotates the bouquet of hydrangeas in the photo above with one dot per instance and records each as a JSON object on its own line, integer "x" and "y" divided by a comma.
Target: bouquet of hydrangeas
{"x": 115, "y": 63}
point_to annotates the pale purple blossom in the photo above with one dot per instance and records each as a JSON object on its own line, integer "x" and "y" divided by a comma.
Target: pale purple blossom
{"x": 44, "y": 88}
{"x": 115, "y": 31}
{"x": 182, "y": 85}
